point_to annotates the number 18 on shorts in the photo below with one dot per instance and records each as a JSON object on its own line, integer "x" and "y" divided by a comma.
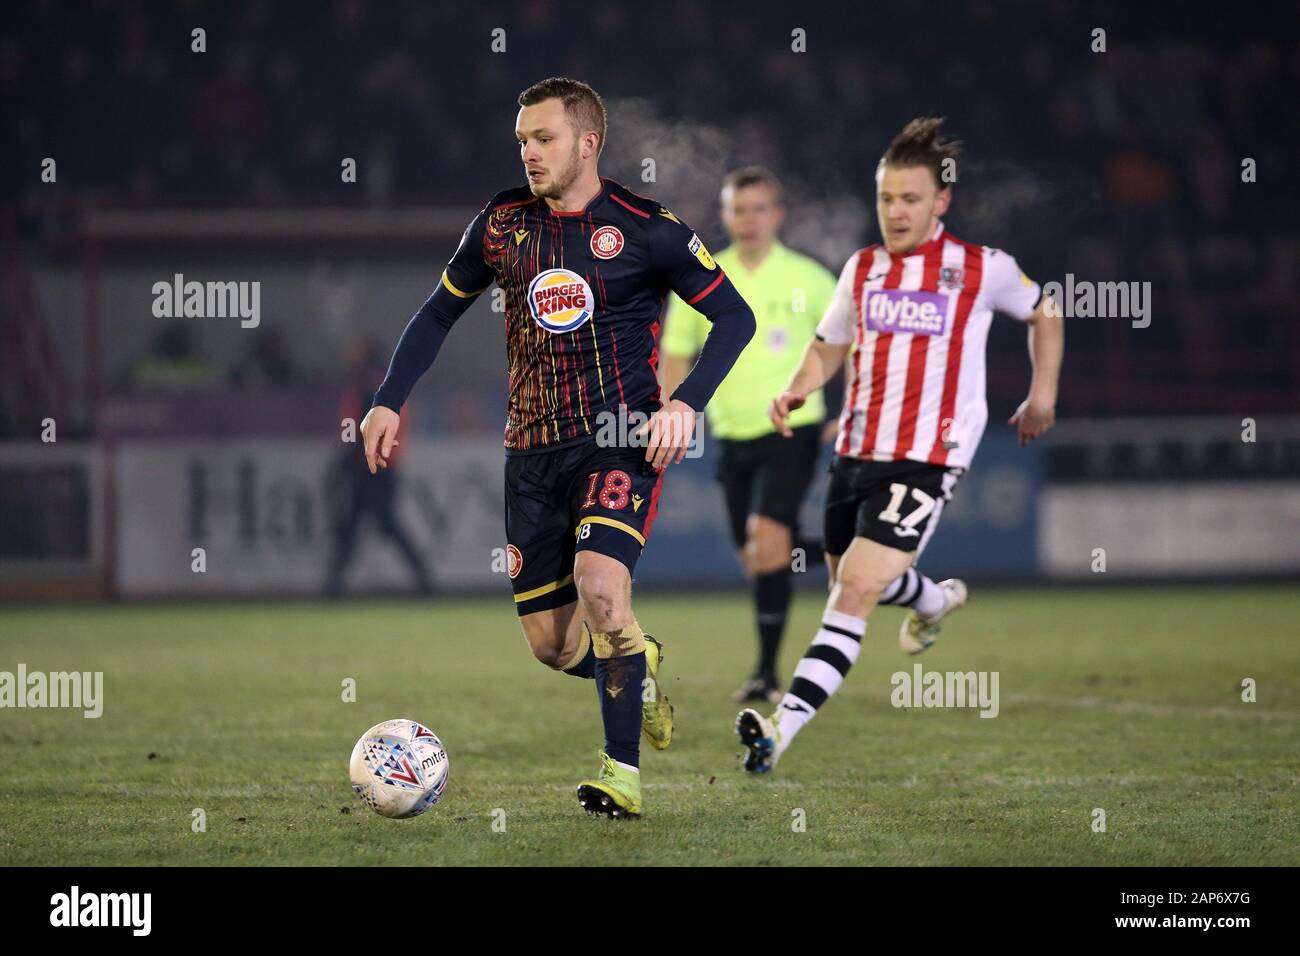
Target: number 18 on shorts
{"x": 581, "y": 498}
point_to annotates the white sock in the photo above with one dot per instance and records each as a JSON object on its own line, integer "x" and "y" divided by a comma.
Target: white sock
{"x": 913, "y": 589}
{"x": 932, "y": 601}
{"x": 791, "y": 715}
{"x": 815, "y": 678}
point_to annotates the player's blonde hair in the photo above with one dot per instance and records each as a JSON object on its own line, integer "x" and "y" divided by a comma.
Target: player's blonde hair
{"x": 582, "y": 104}
{"x": 919, "y": 144}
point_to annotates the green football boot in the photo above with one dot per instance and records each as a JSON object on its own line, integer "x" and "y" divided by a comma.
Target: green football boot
{"x": 615, "y": 794}
{"x": 656, "y": 711}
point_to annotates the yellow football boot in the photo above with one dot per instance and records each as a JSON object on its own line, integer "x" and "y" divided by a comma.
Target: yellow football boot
{"x": 615, "y": 794}
{"x": 656, "y": 711}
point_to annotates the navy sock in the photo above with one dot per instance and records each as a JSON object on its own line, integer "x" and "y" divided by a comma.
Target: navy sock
{"x": 585, "y": 668}
{"x": 772, "y": 593}
{"x": 619, "y": 681}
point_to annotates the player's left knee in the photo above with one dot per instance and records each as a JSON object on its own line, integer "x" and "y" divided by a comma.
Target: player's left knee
{"x": 604, "y": 587}
{"x": 604, "y": 600}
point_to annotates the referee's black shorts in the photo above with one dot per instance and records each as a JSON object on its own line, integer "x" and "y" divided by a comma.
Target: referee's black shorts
{"x": 767, "y": 476}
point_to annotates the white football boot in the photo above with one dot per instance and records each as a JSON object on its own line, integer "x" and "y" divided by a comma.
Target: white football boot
{"x": 761, "y": 739}
{"x": 917, "y": 632}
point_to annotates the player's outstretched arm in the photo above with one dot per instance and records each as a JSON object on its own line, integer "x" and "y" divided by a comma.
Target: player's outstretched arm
{"x": 466, "y": 277}
{"x": 415, "y": 352}
{"x": 1037, "y": 413}
{"x": 379, "y": 435}
{"x": 820, "y": 361}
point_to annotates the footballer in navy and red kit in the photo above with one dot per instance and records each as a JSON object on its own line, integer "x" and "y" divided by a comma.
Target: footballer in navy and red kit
{"x": 584, "y": 292}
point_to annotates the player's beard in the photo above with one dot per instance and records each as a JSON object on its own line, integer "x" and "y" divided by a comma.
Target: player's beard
{"x": 562, "y": 180}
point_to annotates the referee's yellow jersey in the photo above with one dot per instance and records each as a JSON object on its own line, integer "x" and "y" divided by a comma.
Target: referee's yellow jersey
{"x": 788, "y": 293}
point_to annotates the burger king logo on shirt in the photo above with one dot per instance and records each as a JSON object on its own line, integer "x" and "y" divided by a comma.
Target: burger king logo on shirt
{"x": 560, "y": 300}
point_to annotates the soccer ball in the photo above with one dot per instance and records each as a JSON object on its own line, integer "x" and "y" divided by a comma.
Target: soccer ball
{"x": 399, "y": 768}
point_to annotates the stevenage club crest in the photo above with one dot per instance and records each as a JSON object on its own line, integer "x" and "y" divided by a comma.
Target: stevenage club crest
{"x": 560, "y": 300}
{"x": 606, "y": 242}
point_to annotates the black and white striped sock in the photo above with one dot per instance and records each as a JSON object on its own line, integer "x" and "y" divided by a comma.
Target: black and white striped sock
{"x": 820, "y": 671}
{"x": 913, "y": 589}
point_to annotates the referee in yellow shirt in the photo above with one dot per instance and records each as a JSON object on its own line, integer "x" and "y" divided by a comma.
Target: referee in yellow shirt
{"x": 764, "y": 476}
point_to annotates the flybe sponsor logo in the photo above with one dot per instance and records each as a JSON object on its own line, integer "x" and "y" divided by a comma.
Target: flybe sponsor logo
{"x": 896, "y": 310}
{"x": 560, "y": 300}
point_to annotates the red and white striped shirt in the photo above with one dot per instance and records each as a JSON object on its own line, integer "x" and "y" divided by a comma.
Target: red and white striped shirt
{"x": 919, "y": 323}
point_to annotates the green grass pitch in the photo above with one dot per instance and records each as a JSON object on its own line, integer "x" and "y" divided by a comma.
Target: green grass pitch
{"x": 1123, "y": 699}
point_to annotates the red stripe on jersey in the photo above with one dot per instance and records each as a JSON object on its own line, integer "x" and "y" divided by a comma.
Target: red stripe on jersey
{"x": 709, "y": 288}
{"x": 653, "y": 202}
{"x": 915, "y": 381}
{"x": 631, "y": 209}
{"x": 860, "y": 270}
{"x": 879, "y": 363}
{"x": 599, "y": 285}
{"x": 654, "y": 359}
{"x": 566, "y": 378}
{"x": 972, "y": 278}
{"x": 654, "y": 505}
{"x": 618, "y": 378}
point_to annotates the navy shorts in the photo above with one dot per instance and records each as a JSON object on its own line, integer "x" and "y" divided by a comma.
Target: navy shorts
{"x": 581, "y": 497}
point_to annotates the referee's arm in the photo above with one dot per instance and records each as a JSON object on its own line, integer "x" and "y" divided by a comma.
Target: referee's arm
{"x": 678, "y": 345}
